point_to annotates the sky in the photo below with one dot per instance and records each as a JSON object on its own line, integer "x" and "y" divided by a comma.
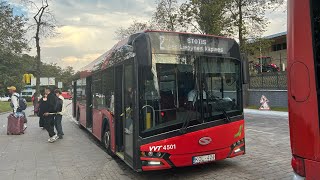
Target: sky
{"x": 86, "y": 28}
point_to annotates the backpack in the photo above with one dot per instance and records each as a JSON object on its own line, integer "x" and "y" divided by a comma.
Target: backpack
{"x": 22, "y": 103}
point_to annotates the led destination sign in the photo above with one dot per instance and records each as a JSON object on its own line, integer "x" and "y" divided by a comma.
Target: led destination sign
{"x": 165, "y": 42}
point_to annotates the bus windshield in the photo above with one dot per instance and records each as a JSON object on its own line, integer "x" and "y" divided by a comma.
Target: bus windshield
{"x": 177, "y": 87}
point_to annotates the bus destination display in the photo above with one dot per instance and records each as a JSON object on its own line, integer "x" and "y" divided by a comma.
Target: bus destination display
{"x": 163, "y": 43}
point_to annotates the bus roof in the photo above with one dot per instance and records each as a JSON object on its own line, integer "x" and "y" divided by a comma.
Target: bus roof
{"x": 101, "y": 62}
{"x": 97, "y": 63}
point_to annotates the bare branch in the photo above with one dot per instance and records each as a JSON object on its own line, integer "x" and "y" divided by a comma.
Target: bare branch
{"x": 31, "y": 3}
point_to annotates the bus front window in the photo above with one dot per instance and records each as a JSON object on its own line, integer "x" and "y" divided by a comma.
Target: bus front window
{"x": 222, "y": 85}
{"x": 171, "y": 90}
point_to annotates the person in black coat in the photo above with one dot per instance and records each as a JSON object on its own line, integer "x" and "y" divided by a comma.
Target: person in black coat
{"x": 49, "y": 114}
{"x": 43, "y": 107}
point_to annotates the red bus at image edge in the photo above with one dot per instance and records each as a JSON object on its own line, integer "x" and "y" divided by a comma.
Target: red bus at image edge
{"x": 142, "y": 100}
{"x": 304, "y": 86}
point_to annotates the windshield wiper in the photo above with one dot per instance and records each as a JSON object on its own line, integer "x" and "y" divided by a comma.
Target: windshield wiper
{"x": 227, "y": 117}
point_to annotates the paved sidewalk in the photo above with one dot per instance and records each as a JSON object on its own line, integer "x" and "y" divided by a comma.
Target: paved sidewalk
{"x": 30, "y": 156}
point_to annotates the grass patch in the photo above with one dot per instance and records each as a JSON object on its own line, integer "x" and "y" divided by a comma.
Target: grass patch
{"x": 282, "y": 109}
{"x": 5, "y": 106}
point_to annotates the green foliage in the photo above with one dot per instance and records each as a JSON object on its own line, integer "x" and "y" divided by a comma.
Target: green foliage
{"x": 66, "y": 76}
{"x": 248, "y": 18}
{"x": 205, "y": 16}
{"x": 12, "y": 42}
{"x": 166, "y": 16}
{"x": 260, "y": 44}
{"x": 12, "y": 30}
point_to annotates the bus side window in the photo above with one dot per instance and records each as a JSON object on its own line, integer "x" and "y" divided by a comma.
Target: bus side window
{"x": 108, "y": 88}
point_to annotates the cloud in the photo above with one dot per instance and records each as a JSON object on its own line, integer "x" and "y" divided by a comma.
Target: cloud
{"x": 277, "y": 19}
{"x": 86, "y": 28}
{"x": 78, "y": 62}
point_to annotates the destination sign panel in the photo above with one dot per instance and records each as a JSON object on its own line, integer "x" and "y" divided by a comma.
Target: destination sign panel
{"x": 170, "y": 42}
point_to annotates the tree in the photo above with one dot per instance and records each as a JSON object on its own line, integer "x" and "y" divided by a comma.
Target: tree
{"x": 205, "y": 16}
{"x": 248, "y": 18}
{"x": 122, "y": 33}
{"x": 12, "y": 43}
{"x": 67, "y": 76}
{"x": 44, "y": 26}
{"x": 166, "y": 15}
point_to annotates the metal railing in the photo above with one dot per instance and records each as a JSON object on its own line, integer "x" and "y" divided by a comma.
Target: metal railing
{"x": 269, "y": 81}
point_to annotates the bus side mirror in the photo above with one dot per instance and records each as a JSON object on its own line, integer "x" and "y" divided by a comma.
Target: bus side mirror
{"x": 244, "y": 68}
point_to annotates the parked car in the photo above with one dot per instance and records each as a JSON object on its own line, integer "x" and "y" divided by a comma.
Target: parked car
{"x": 66, "y": 95}
{"x": 5, "y": 99}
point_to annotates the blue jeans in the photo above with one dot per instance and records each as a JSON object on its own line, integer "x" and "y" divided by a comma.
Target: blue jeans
{"x": 58, "y": 125}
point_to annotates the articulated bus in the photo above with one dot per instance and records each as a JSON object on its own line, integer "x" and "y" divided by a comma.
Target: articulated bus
{"x": 160, "y": 100}
{"x": 304, "y": 86}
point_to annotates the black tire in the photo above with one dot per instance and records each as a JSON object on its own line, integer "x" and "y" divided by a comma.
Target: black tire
{"x": 106, "y": 141}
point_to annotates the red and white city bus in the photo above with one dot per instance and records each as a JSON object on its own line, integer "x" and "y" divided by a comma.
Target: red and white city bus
{"x": 304, "y": 86}
{"x": 160, "y": 100}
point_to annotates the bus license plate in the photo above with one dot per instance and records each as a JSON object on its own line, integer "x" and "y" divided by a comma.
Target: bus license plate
{"x": 203, "y": 159}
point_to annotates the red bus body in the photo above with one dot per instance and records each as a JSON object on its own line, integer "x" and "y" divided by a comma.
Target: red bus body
{"x": 160, "y": 150}
{"x": 303, "y": 86}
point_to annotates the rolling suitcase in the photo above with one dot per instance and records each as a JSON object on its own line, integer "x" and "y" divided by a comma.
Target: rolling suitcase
{"x": 15, "y": 125}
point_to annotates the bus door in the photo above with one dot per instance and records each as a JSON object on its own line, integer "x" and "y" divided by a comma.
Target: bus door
{"x": 128, "y": 107}
{"x": 118, "y": 108}
{"x": 89, "y": 103}
{"x": 124, "y": 105}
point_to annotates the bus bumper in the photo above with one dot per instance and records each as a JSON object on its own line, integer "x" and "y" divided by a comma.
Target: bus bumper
{"x": 182, "y": 160}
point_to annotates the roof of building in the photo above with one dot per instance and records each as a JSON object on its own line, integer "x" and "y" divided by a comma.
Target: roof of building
{"x": 276, "y": 35}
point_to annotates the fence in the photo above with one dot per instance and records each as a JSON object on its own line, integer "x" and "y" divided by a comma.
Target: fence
{"x": 269, "y": 81}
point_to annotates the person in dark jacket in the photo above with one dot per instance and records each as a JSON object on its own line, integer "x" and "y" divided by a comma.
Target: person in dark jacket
{"x": 49, "y": 115}
{"x": 58, "y": 117}
{"x": 43, "y": 107}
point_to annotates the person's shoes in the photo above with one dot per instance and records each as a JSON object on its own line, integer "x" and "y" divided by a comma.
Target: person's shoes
{"x": 53, "y": 139}
{"x": 24, "y": 127}
{"x": 60, "y": 137}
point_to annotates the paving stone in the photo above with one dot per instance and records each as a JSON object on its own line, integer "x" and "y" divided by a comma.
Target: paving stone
{"x": 78, "y": 156}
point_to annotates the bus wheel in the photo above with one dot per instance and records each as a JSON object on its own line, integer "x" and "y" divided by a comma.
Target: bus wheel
{"x": 106, "y": 141}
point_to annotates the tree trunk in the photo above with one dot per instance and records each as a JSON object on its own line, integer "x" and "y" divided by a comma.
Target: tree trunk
{"x": 38, "y": 64}
{"x": 240, "y": 25}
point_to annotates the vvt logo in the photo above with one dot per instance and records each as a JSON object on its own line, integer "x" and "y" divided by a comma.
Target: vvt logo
{"x": 205, "y": 141}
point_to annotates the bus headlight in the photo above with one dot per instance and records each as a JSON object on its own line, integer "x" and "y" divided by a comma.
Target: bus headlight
{"x": 152, "y": 163}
